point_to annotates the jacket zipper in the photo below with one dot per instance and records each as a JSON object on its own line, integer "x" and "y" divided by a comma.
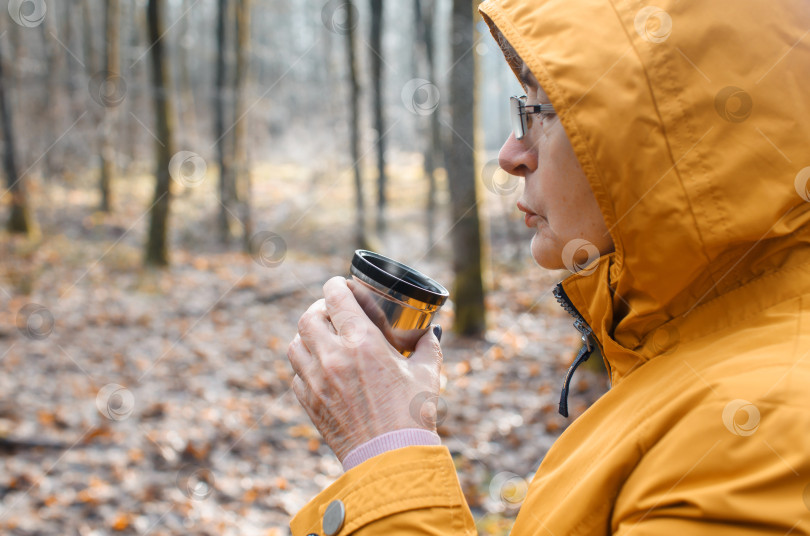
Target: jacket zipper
{"x": 584, "y": 352}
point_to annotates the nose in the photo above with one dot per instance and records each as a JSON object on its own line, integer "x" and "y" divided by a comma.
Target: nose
{"x": 517, "y": 158}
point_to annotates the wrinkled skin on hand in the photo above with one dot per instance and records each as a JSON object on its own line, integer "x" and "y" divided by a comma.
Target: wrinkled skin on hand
{"x": 352, "y": 383}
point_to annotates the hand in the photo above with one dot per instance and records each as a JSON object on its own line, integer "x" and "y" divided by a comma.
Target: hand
{"x": 352, "y": 383}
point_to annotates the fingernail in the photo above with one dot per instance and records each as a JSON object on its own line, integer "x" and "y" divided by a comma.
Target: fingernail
{"x": 437, "y": 330}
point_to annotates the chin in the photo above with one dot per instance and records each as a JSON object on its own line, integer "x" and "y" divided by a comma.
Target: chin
{"x": 547, "y": 253}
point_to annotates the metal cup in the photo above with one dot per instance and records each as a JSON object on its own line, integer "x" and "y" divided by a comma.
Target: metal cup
{"x": 399, "y": 300}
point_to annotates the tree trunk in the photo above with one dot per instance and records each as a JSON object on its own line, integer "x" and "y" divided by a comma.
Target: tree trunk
{"x": 137, "y": 78}
{"x": 52, "y": 103}
{"x": 90, "y": 61}
{"x": 223, "y": 155}
{"x": 379, "y": 124}
{"x": 67, "y": 32}
{"x": 241, "y": 167}
{"x": 354, "y": 121}
{"x": 157, "y": 247}
{"x": 186, "y": 89}
{"x": 18, "y": 51}
{"x": 466, "y": 233}
{"x": 112, "y": 66}
{"x": 20, "y": 220}
{"x": 425, "y": 13}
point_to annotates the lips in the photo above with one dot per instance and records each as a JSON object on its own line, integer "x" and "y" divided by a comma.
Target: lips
{"x": 531, "y": 217}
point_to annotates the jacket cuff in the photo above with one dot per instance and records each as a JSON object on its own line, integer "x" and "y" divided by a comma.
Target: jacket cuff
{"x": 397, "y": 439}
{"x": 413, "y": 479}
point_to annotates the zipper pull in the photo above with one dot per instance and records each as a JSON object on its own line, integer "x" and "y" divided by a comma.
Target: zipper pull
{"x": 587, "y": 346}
{"x": 582, "y": 356}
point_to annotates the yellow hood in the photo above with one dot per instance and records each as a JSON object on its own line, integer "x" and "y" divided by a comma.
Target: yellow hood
{"x": 692, "y": 123}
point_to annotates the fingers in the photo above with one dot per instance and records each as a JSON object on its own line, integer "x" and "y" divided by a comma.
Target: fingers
{"x": 314, "y": 327}
{"x": 315, "y": 333}
{"x": 300, "y": 389}
{"x": 341, "y": 305}
{"x": 305, "y": 397}
{"x": 367, "y": 301}
{"x": 428, "y": 351}
{"x": 299, "y": 357}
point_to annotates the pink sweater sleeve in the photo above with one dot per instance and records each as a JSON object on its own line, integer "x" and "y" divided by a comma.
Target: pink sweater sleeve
{"x": 406, "y": 437}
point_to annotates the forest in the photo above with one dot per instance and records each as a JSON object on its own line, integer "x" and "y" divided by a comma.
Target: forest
{"x": 180, "y": 177}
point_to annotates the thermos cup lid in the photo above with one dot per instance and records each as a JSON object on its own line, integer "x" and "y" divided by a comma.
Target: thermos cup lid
{"x": 394, "y": 275}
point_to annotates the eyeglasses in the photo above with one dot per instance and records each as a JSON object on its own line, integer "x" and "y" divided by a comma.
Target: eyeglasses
{"x": 519, "y": 110}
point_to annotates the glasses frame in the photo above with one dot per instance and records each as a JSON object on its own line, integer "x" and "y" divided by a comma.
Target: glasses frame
{"x": 519, "y": 110}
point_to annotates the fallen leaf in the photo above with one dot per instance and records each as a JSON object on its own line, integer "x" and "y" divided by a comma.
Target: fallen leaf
{"x": 121, "y": 522}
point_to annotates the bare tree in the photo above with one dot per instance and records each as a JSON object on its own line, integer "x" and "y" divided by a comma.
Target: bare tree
{"x": 157, "y": 246}
{"x": 354, "y": 121}
{"x": 137, "y": 78}
{"x": 226, "y": 188}
{"x": 466, "y": 232}
{"x": 186, "y": 88}
{"x": 112, "y": 66}
{"x": 425, "y": 13}
{"x": 53, "y": 62}
{"x": 241, "y": 168}
{"x": 379, "y": 122}
{"x": 20, "y": 220}
{"x": 67, "y": 32}
{"x": 90, "y": 60}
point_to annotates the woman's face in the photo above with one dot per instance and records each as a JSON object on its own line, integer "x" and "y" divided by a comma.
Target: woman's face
{"x": 557, "y": 198}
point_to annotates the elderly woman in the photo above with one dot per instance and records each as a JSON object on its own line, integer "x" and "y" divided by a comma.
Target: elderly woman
{"x": 672, "y": 140}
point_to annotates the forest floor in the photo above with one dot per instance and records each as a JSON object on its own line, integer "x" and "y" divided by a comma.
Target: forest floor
{"x": 138, "y": 401}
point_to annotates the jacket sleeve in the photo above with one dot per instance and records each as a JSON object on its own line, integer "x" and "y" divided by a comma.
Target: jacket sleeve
{"x": 412, "y": 490}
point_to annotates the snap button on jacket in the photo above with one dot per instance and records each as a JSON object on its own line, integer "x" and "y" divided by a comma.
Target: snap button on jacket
{"x": 691, "y": 120}
{"x": 333, "y": 517}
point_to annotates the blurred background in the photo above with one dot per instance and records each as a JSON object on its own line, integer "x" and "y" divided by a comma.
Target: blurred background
{"x": 180, "y": 179}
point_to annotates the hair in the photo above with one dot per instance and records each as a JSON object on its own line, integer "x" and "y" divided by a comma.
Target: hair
{"x": 509, "y": 52}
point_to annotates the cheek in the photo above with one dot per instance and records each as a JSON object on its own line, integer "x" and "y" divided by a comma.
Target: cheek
{"x": 570, "y": 207}
{"x": 558, "y": 197}
{"x": 573, "y": 210}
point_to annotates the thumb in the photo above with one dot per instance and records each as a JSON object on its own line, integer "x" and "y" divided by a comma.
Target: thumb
{"x": 428, "y": 351}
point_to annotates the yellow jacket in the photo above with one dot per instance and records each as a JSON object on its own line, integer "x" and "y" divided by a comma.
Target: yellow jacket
{"x": 691, "y": 120}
